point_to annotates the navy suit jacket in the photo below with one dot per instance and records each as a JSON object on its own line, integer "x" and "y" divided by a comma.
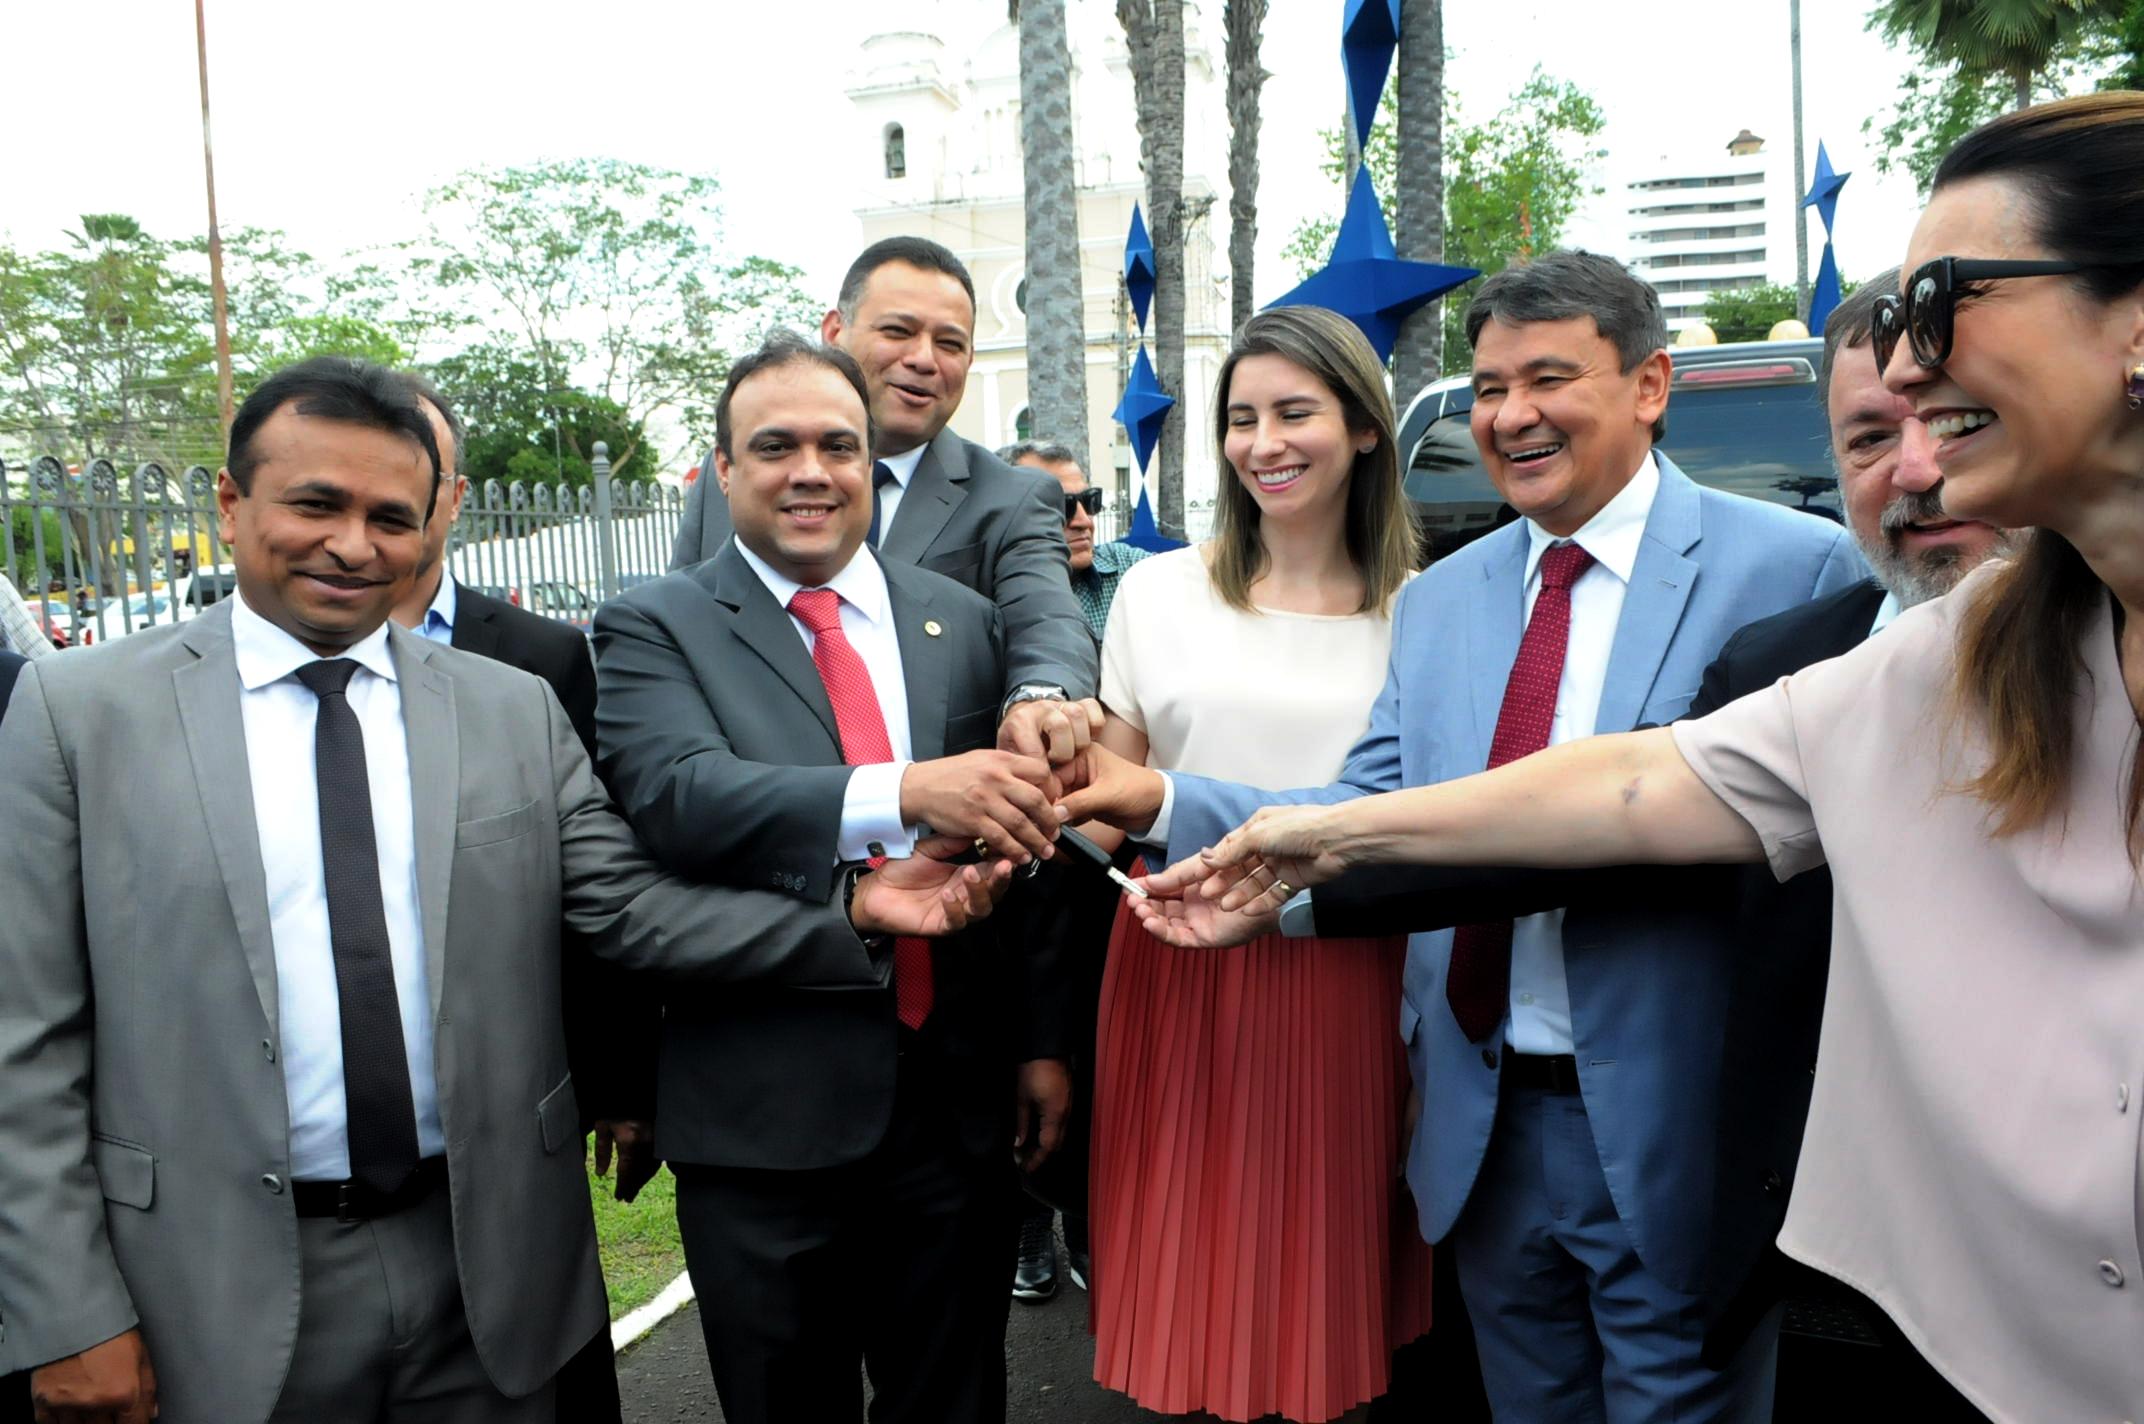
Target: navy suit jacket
{"x": 1649, "y": 994}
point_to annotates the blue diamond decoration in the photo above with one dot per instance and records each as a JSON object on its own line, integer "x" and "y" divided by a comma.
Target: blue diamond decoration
{"x": 1146, "y": 532}
{"x": 1365, "y": 280}
{"x": 1139, "y": 267}
{"x": 1824, "y": 191}
{"x": 1368, "y": 36}
{"x": 1143, "y": 409}
{"x": 1826, "y": 293}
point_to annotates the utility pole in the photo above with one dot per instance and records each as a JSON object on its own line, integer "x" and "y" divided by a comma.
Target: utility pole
{"x": 225, "y": 403}
{"x": 1801, "y": 172}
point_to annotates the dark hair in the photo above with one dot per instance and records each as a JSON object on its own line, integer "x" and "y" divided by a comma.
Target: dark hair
{"x": 1046, "y": 451}
{"x": 782, "y": 347}
{"x": 1851, "y": 323}
{"x": 422, "y": 387}
{"x": 1380, "y": 522}
{"x": 1567, "y": 284}
{"x": 340, "y": 388}
{"x": 2080, "y": 164}
{"x": 916, "y": 252}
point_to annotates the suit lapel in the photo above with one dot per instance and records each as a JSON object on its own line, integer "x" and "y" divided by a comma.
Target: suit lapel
{"x": 475, "y": 630}
{"x": 926, "y": 663}
{"x": 215, "y": 732}
{"x": 1495, "y": 621}
{"x": 933, "y": 493}
{"x": 429, "y": 725}
{"x": 765, "y": 627}
{"x": 1660, "y": 585}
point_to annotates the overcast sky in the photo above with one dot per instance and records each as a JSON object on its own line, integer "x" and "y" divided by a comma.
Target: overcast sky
{"x": 330, "y": 120}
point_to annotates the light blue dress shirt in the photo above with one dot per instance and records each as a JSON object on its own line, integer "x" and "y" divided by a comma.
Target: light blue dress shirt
{"x": 279, "y": 714}
{"x": 438, "y": 624}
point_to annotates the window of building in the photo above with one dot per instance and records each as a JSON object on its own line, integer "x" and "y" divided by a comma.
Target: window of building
{"x": 1019, "y": 296}
{"x": 1023, "y": 424}
{"x": 896, "y": 151}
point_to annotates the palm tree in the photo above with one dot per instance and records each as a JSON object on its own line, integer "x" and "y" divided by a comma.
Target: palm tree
{"x": 1418, "y": 357}
{"x": 1056, "y": 306}
{"x": 2014, "y": 38}
{"x": 1154, "y": 35}
{"x": 1243, "y": 20}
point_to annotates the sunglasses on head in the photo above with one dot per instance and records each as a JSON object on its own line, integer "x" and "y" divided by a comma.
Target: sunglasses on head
{"x": 1926, "y": 312}
{"x": 1087, "y": 499}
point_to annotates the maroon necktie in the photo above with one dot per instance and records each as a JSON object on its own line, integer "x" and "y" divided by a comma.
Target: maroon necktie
{"x": 862, "y": 725}
{"x": 1479, "y": 985}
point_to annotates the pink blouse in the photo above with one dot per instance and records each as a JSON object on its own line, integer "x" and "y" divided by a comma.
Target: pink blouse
{"x": 1972, "y": 1160}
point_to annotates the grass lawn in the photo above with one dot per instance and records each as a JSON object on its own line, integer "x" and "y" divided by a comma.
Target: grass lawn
{"x": 639, "y": 1243}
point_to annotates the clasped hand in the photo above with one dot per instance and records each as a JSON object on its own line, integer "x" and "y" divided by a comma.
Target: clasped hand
{"x": 1234, "y": 891}
{"x": 929, "y": 893}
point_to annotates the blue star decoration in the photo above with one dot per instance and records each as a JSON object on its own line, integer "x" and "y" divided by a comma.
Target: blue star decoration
{"x": 1366, "y": 281}
{"x": 1368, "y": 36}
{"x": 1139, "y": 266}
{"x": 1146, "y": 532}
{"x": 1824, "y": 191}
{"x": 1143, "y": 408}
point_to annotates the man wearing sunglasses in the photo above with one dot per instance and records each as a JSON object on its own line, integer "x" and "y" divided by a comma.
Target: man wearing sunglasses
{"x": 1096, "y": 568}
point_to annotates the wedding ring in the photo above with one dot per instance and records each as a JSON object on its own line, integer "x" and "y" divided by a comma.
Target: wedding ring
{"x": 1283, "y": 889}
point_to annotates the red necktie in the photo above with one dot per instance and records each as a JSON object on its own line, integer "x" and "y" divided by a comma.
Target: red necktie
{"x": 1478, "y": 986}
{"x": 862, "y": 725}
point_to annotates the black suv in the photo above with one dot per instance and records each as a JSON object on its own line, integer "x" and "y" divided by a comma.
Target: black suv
{"x": 1744, "y": 418}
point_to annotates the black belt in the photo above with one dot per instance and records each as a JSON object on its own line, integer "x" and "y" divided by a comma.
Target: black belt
{"x": 1547, "y": 1073}
{"x": 354, "y": 1201}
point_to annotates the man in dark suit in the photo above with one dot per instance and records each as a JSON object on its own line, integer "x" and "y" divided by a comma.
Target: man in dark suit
{"x": 793, "y": 705}
{"x": 907, "y": 314}
{"x": 612, "y": 1024}
{"x": 10, "y": 665}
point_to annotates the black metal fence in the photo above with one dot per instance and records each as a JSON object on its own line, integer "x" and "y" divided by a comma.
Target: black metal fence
{"x": 99, "y": 554}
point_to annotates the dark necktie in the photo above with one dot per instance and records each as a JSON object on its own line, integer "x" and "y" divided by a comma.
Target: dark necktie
{"x": 881, "y": 476}
{"x": 862, "y": 725}
{"x": 1479, "y": 985}
{"x": 375, "y": 1064}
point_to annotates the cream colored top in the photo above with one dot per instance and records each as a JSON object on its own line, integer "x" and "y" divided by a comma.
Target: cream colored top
{"x": 1973, "y": 1151}
{"x": 1270, "y": 699}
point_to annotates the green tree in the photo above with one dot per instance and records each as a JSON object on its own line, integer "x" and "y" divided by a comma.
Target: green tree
{"x": 1972, "y": 60}
{"x": 1750, "y": 313}
{"x": 521, "y": 429}
{"x": 607, "y": 276}
{"x": 1511, "y": 184}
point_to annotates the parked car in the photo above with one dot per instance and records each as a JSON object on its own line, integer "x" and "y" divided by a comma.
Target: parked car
{"x": 187, "y": 596}
{"x": 1745, "y": 417}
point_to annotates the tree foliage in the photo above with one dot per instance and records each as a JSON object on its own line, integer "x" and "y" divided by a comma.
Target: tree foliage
{"x": 519, "y": 428}
{"x": 1511, "y": 184}
{"x": 1976, "y": 59}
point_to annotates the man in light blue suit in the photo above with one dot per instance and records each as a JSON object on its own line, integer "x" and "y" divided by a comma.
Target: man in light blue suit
{"x": 1569, "y": 1068}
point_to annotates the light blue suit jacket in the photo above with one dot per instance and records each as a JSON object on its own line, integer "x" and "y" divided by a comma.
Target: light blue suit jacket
{"x": 1648, "y": 991}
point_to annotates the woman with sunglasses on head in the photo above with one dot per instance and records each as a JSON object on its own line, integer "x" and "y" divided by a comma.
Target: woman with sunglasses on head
{"x": 1972, "y": 776}
{"x": 1253, "y": 1254}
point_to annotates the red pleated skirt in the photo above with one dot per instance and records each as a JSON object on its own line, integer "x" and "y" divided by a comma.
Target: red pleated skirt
{"x": 1255, "y": 1249}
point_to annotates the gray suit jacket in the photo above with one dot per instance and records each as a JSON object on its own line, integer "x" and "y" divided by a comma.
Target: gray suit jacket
{"x": 144, "y": 1135}
{"x": 981, "y": 522}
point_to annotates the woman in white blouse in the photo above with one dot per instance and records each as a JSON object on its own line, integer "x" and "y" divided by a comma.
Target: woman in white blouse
{"x": 1973, "y": 779}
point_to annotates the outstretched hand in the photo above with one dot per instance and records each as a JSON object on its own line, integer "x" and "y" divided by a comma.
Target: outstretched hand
{"x": 1195, "y": 922}
{"x": 1261, "y": 864}
{"x": 928, "y": 894}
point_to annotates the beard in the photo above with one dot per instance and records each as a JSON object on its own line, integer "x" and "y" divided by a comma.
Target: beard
{"x": 1929, "y": 574}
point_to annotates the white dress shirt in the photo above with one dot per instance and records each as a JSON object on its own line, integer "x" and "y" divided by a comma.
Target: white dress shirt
{"x": 1885, "y": 611}
{"x": 871, "y": 806}
{"x": 1540, "y": 1000}
{"x": 903, "y": 466}
{"x": 279, "y": 714}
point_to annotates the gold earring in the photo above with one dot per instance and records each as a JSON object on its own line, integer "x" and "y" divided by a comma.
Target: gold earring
{"x": 2136, "y": 386}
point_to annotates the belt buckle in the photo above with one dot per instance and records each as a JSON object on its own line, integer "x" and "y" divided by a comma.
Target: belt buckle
{"x": 342, "y": 1204}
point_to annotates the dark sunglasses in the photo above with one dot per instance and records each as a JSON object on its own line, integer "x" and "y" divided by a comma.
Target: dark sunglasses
{"x": 1087, "y": 499}
{"x": 1926, "y": 312}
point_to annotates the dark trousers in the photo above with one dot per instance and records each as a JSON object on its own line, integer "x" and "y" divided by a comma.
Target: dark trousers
{"x": 588, "y": 1384}
{"x": 15, "y": 1398}
{"x": 898, "y": 1262}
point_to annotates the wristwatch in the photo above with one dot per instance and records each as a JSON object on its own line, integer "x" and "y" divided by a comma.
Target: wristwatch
{"x": 849, "y": 880}
{"x": 1033, "y": 692}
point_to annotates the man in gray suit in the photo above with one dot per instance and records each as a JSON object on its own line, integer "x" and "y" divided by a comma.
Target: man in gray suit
{"x": 286, "y": 1128}
{"x": 907, "y": 314}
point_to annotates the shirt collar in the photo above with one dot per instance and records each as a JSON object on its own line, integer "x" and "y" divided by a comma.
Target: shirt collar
{"x": 861, "y": 582}
{"x": 443, "y": 604}
{"x": 268, "y": 654}
{"x": 1615, "y": 531}
{"x": 904, "y": 464}
{"x": 1887, "y": 610}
